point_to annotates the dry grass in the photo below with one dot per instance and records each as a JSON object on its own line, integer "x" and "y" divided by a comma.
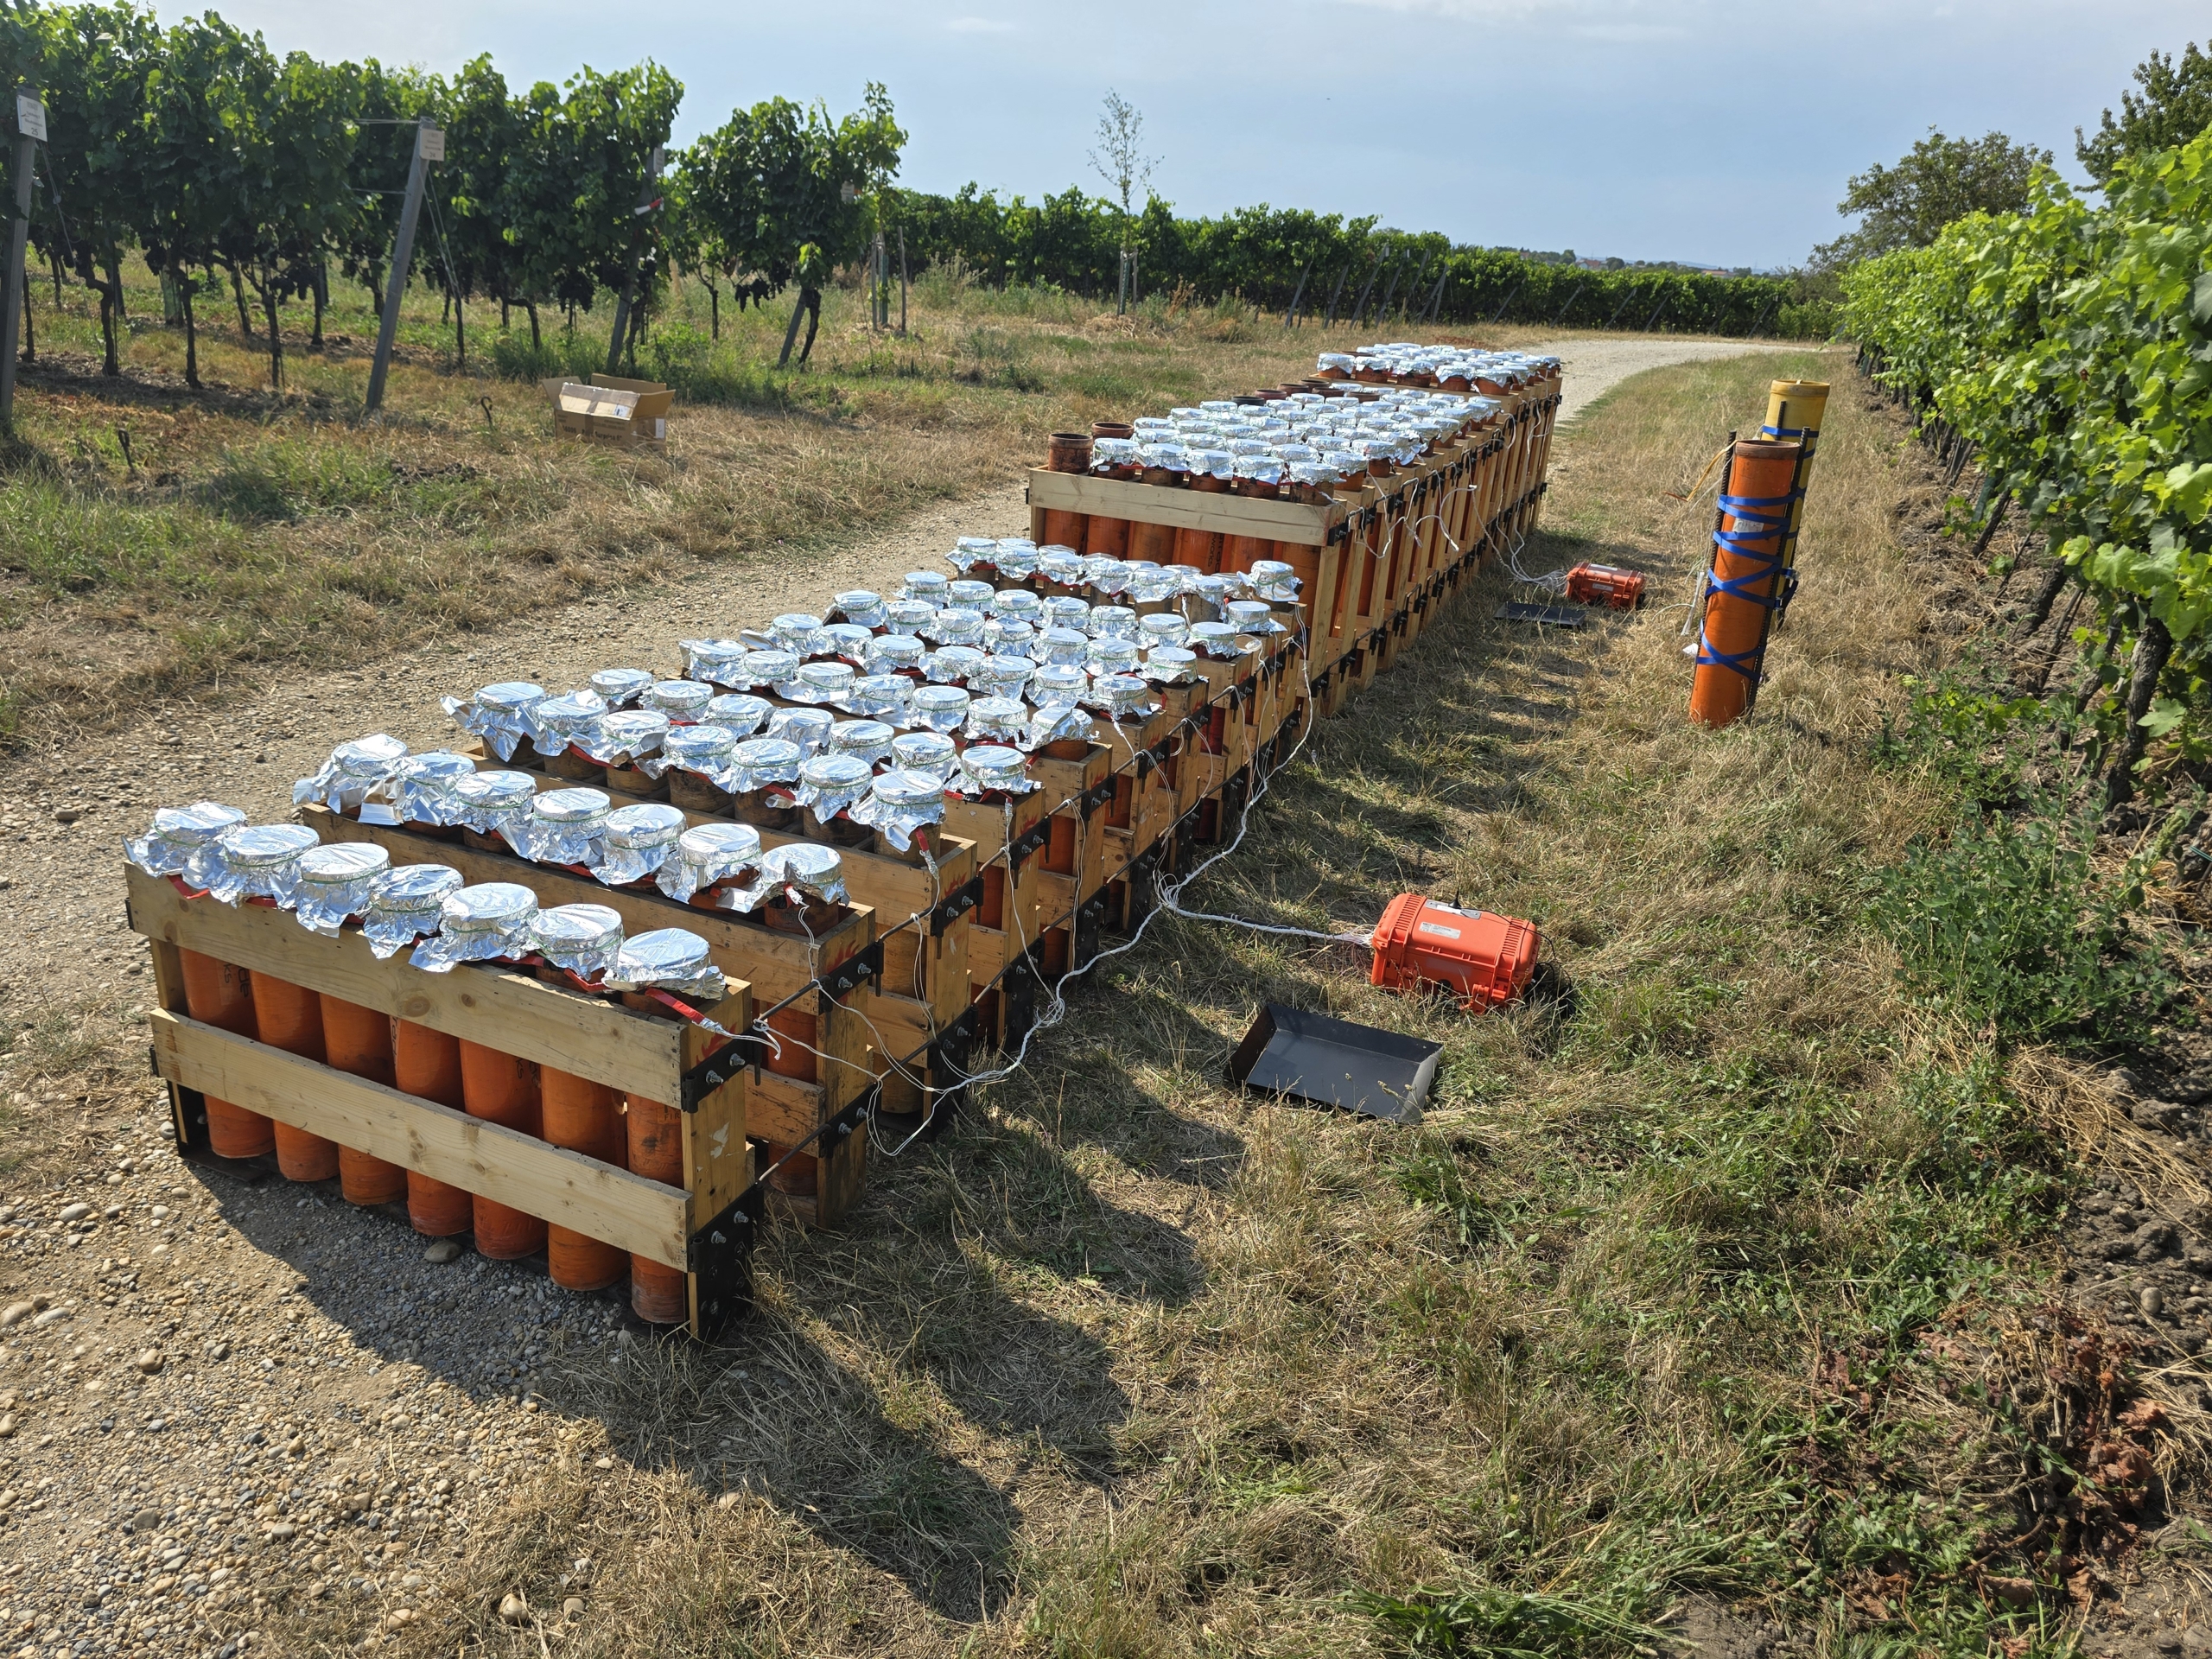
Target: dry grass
{"x": 1660, "y": 1301}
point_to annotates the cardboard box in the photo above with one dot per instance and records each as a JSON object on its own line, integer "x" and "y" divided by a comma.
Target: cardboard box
{"x": 624, "y": 414}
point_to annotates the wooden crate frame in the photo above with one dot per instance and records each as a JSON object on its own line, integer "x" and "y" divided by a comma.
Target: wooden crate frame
{"x": 704, "y": 1228}
{"x": 780, "y": 1109}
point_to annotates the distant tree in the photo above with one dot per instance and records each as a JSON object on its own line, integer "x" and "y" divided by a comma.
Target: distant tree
{"x": 2175, "y": 105}
{"x": 1939, "y": 180}
{"x": 1121, "y": 160}
{"x": 391, "y": 103}
{"x": 96, "y": 61}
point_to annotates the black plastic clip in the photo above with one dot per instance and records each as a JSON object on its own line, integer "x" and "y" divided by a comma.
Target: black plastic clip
{"x": 958, "y": 903}
{"x": 745, "y": 1051}
{"x": 1094, "y": 797}
{"x": 853, "y": 971}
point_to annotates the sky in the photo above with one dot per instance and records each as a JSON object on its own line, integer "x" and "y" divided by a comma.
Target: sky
{"x": 1711, "y": 131}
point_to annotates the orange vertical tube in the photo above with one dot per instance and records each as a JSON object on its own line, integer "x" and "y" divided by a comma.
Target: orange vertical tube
{"x": 1064, "y": 529}
{"x": 1741, "y": 590}
{"x": 1152, "y": 541}
{"x": 656, "y": 1141}
{"x": 1241, "y": 552}
{"x": 579, "y": 1115}
{"x": 502, "y": 1088}
{"x": 427, "y": 1065}
{"x": 1107, "y": 537}
{"x": 216, "y": 994}
{"x": 358, "y": 1040}
{"x": 289, "y": 1017}
{"x": 1198, "y": 547}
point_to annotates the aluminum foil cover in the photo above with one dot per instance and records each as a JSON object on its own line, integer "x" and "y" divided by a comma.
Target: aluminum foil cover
{"x": 939, "y": 707}
{"x": 900, "y": 802}
{"x": 715, "y": 662}
{"x": 1068, "y": 612}
{"x": 995, "y": 766}
{"x": 1009, "y": 636}
{"x": 765, "y": 671}
{"x": 996, "y": 720}
{"x": 1150, "y": 587}
{"x": 967, "y": 596}
{"x": 848, "y": 641}
{"x": 1115, "y": 656}
{"x": 479, "y": 924}
{"x": 888, "y": 653}
{"x": 909, "y": 616}
{"x": 1062, "y": 647}
{"x": 860, "y": 608}
{"x": 808, "y": 727}
{"x": 498, "y": 714}
{"x": 1274, "y": 580}
{"x": 564, "y": 826}
{"x": 703, "y": 751}
{"x": 1054, "y": 720}
{"x": 583, "y": 938}
{"x": 1001, "y": 677}
{"x": 621, "y": 687}
{"x": 489, "y": 801}
{"x": 1015, "y": 557}
{"x": 419, "y": 790}
{"x": 683, "y": 701}
{"x": 1113, "y": 622}
{"x": 763, "y": 763}
{"x": 251, "y": 861}
{"x": 1119, "y": 695}
{"x": 968, "y": 552}
{"x": 559, "y": 721}
{"x": 739, "y": 712}
{"x": 1219, "y": 640}
{"x": 1064, "y": 567}
{"x": 881, "y": 696}
{"x": 929, "y": 752}
{"x": 1253, "y": 616}
{"x": 1017, "y": 603}
{"x": 800, "y": 870}
{"x": 955, "y": 626}
{"x": 672, "y": 959}
{"x": 1059, "y": 682}
{"x": 402, "y": 905}
{"x": 864, "y": 740}
{"x": 1166, "y": 628}
{"x": 829, "y": 783}
{"x": 1107, "y": 574}
{"x": 797, "y": 632}
{"x": 636, "y": 841}
{"x": 706, "y": 854}
{"x": 829, "y": 684}
{"x": 625, "y": 736}
{"x": 926, "y": 587}
{"x": 352, "y": 772}
{"x": 178, "y": 832}
{"x": 1170, "y": 664}
{"x": 333, "y": 884}
{"x": 951, "y": 664}
{"x": 1107, "y": 453}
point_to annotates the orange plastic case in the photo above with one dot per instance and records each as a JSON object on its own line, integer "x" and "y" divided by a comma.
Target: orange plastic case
{"x": 1485, "y": 957}
{"x": 1605, "y": 584}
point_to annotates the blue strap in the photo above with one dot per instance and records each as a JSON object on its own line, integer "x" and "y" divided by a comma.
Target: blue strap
{"x": 1757, "y": 521}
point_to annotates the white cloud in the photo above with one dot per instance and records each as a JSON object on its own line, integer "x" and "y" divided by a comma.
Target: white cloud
{"x": 1631, "y": 31}
{"x": 979, "y": 26}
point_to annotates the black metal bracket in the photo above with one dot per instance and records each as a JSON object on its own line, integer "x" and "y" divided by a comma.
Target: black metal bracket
{"x": 957, "y": 904}
{"x": 1025, "y": 845}
{"x": 720, "y": 1254}
{"x": 853, "y": 971}
{"x": 1094, "y": 797}
{"x": 747, "y": 1050}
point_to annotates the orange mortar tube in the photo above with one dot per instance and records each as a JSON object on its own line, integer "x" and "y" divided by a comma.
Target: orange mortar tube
{"x": 581, "y": 1115}
{"x": 1107, "y": 537}
{"x": 358, "y": 1040}
{"x": 427, "y": 1065}
{"x": 1741, "y": 587}
{"x": 655, "y": 1143}
{"x": 1152, "y": 541}
{"x": 287, "y": 1016}
{"x": 217, "y": 993}
{"x": 502, "y": 1088}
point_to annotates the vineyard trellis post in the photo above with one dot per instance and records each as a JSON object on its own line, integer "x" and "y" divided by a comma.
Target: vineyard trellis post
{"x": 1335, "y": 294}
{"x": 1298, "y": 293}
{"x": 30, "y": 126}
{"x": 1436, "y": 294}
{"x": 429, "y": 146}
{"x": 1512, "y": 294}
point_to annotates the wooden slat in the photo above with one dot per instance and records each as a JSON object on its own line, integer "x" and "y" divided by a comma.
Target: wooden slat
{"x": 512, "y": 1012}
{"x": 596, "y": 1200}
{"x": 1235, "y": 515}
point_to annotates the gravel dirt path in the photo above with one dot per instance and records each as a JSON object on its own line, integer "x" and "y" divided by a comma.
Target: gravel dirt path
{"x": 217, "y": 1398}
